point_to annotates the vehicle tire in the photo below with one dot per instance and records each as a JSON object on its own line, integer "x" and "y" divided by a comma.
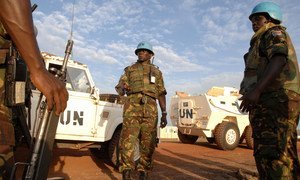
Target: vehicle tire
{"x": 113, "y": 148}
{"x": 210, "y": 140}
{"x": 248, "y": 137}
{"x": 187, "y": 139}
{"x": 227, "y": 136}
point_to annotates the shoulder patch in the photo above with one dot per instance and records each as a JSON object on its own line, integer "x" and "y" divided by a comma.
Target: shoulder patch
{"x": 278, "y": 36}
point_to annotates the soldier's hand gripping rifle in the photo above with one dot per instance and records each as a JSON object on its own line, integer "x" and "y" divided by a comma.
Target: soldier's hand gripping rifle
{"x": 48, "y": 120}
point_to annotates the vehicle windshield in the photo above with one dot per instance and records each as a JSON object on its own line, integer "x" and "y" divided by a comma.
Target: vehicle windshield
{"x": 77, "y": 80}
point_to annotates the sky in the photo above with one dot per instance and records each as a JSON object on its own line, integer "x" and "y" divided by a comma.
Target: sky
{"x": 197, "y": 43}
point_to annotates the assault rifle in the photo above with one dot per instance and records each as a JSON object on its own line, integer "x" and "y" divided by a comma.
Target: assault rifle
{"x": 38, "y": 167}
{"x": 43, "y": 146}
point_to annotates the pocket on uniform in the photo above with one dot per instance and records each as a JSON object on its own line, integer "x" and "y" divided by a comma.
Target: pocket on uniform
{"x": 278, "y": 102}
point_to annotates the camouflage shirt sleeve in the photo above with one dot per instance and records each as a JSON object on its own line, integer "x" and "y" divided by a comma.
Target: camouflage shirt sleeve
{"x": 275, "y": 42}
{"x": 160, "y": 84}
{"x": 120, "y": 86}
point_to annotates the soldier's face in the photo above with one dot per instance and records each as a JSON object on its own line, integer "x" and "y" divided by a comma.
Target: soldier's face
{"x": 258, "y": 21}
{"x": 144, "y": 55}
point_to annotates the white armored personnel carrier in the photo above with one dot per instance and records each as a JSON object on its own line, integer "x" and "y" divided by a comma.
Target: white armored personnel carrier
{"x": 214, "y": 115}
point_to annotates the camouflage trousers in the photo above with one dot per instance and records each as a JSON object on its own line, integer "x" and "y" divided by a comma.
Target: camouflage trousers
{"x": 144, "y": 131}
{"x": 274, "y": 122}
{"x": 7, "y": 138}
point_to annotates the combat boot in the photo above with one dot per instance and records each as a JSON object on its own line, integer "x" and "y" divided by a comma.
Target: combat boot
{"x": 126, "y": 174}
{"x": 143, "y": 175}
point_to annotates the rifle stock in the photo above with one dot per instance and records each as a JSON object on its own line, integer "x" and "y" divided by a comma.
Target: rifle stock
{"x": 42, "y": 151}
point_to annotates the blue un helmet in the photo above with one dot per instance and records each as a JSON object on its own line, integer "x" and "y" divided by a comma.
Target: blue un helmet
{"x": 270, "y": 8}
{"x": 144, "y": 45}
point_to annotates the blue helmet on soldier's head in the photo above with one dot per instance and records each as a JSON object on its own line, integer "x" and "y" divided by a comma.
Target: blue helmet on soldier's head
{"x": 144, "y": 46}
{"x": 270, "y": 8}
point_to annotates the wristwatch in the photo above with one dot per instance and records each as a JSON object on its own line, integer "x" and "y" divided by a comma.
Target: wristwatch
{"x": 164, "y": 112}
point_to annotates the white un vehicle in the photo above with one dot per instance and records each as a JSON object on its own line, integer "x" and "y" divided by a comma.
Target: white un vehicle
{"x": 214, "y": 115}
{"x": 91, "y": 120}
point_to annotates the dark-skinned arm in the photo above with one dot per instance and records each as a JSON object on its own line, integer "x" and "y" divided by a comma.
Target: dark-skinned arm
{"x": 272, "y": 71}
{"x": 162, "y": 104}
{"x": 16, "y": 18}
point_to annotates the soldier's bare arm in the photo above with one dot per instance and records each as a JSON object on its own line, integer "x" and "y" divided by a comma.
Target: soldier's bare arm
{"x": 272, "y": 71}
{"x": 162, "y": 104}
{"x": 17, "y": 19}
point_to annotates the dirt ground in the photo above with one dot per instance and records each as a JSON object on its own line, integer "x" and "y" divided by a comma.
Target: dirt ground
{"x": 172, "y": 160}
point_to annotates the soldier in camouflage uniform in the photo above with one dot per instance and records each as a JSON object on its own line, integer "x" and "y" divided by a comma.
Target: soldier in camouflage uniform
{"x": 16, "y": 26}
{"x": 271, "y": 94}
{"x": 143, "y": 83}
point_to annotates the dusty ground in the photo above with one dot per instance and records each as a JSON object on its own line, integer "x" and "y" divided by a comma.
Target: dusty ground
{"x": 172, "y": 160}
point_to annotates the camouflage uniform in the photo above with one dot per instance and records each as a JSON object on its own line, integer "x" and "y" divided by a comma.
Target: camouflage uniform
{"x": 139, "y": 114}
{"x": 275, "y": 118}
{"x": 7, "y": 138}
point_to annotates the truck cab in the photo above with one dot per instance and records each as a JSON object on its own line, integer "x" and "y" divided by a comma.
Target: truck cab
{"x": 91, "y": 119}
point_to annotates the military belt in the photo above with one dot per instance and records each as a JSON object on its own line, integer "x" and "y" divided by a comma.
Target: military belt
{"x": 144, "y": 98}
{"x": 140, "y": 92}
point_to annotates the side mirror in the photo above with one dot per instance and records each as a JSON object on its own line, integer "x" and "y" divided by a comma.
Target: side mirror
{"x": 95, "y": 92}
{"x": 92, "y": 90}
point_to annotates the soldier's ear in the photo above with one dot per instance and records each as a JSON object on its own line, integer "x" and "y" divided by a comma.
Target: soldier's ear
{"x": 267, "y": 21}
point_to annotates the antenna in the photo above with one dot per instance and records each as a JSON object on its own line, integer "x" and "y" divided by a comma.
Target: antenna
{"x": 152, "y": 59}
{"x": 71, "y": 33}
{"x": 69, "y": 47}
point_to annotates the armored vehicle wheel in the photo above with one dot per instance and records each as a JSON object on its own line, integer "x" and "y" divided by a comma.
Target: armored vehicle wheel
{"x": 113, "y": 148}
{"x": 187, "y": 139}
{"x": 227, "y": 136}
{"x": 248, "y": 137}
{"x": 210, "y": 140}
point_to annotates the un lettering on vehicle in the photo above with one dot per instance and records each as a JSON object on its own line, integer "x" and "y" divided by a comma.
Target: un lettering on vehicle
{"x": 74, "y": 118}
{"x": 186, "y": 113}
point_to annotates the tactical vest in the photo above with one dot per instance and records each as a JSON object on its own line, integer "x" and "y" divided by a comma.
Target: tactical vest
{"x": 256, "y": 64}
{"x": 4, "y": 44}
{"x": 6, "y": 128}
{"x": 139, "y": 79}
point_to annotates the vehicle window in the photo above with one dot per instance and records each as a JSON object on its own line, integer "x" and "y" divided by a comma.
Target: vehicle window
{"x": 77, "y": 80}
